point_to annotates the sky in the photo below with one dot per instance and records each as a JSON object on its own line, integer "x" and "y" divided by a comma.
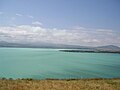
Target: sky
{"x": 78, "y": 22}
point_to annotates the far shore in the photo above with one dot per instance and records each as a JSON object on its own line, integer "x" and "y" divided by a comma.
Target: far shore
{"x": 93, "y": 51}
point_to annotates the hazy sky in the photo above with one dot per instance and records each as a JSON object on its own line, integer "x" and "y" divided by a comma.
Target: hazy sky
{"x": 82, "y": 22}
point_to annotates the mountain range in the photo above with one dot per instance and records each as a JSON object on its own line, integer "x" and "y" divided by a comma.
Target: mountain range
{"x": 59, "y": 46}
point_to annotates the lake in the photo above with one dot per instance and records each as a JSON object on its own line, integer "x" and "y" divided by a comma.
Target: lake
{"x": 40, "y": 63}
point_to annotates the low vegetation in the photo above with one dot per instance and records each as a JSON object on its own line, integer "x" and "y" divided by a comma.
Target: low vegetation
{"x": 52, "y": 84}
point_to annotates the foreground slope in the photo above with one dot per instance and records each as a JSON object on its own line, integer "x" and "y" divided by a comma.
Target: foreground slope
{"x": 82, "y": 84}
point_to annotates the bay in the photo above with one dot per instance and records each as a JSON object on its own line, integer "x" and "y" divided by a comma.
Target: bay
{"x": 39, "y": 63}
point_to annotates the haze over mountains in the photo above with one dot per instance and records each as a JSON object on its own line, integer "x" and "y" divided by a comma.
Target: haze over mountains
{"x": 109, "y": 47}
{"x": 59, "y": 46}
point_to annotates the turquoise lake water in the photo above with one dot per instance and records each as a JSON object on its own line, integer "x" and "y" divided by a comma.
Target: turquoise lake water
{"x": 51, "y": 63}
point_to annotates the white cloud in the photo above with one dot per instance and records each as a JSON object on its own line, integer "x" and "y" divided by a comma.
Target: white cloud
{"x": 29, "y": 16}
{"x": 19, "y": 15}
{"x": 78, "y": 27}
{"x": 31, "y": 33}
{"x": 37, "y": 23}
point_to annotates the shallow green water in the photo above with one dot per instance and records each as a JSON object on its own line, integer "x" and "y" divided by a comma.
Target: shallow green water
{"x": 51, "y": 63}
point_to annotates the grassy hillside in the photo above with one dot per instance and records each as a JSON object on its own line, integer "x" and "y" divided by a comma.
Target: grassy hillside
{"x": 82, "y": 84}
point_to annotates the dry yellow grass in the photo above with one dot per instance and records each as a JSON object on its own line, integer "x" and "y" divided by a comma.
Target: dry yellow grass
{"x": 82, "y": 84}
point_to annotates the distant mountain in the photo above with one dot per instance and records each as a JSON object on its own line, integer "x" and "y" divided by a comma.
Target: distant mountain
{"x": 7, "y": 44}
{"x": 108, "y": 48}
{"x": 40, "y": 45}
{"x": 59, "y": 46}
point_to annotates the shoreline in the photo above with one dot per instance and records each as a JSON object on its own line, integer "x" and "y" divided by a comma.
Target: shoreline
{"x": 68, "y": 79}
{"x": 59, "y": 79}
{"x": 93, "y": 51}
